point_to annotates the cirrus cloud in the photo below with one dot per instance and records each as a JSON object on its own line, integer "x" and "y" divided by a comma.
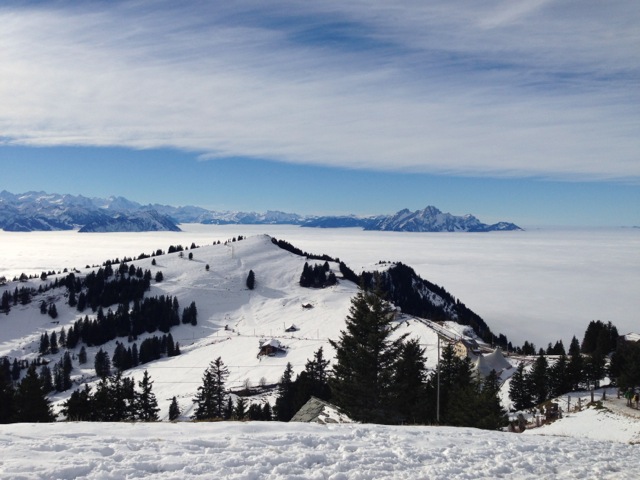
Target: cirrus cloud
{"x": 530, "y": 88}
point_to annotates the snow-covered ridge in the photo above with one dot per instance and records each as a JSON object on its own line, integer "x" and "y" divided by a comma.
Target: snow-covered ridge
{"x": 42, "y": 211}
{"x": 233, "y": 321}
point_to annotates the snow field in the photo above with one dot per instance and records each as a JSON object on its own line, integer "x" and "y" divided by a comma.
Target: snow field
{"x": 232, "y": 320}
{"x": 258, "y": 450}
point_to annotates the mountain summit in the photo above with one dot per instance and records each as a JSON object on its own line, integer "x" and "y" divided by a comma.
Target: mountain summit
{"x": 42, "y": 211}
{"x": 430, "y": 219}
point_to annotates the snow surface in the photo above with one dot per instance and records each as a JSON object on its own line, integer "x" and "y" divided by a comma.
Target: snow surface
{"x": 270, "y": 450}
{"x": 232, "y": 321}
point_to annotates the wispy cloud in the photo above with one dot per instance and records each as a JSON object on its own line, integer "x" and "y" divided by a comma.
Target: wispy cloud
{"x": 507, "y": 88}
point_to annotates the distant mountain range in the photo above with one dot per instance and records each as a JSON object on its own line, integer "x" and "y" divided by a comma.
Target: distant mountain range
{"x": 42, "y": 211}
{"x": 429, "y": 219}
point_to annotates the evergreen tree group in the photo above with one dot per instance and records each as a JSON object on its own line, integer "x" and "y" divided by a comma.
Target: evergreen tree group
{"x": 381, "y": 377}
{"x": 318, "y": 276}
{"x": 465, "y": 400}
{"x": 312, "y": 381}
{"x": 147, "y": 315}
{"x": 115, "y": 399}
{"x": 25, "y": 402}
{"x": 583, "y": 367}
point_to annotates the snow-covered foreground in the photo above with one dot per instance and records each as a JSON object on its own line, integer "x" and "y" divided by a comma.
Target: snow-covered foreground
{"x": 258, "y": 450}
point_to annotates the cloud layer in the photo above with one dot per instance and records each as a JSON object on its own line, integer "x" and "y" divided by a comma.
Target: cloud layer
{"x": 535, "y": 87}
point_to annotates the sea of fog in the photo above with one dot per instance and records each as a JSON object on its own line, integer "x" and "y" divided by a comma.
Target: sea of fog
{"x": 539, "y": 285}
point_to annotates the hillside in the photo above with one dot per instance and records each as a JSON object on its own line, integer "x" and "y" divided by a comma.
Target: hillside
{"x": 232, "y": 320}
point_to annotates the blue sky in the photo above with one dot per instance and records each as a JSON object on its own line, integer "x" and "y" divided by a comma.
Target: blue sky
{"x": 525, "y": 111}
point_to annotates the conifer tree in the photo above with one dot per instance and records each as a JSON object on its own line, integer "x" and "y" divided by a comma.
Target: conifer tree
{"x": 174, "y": 410}
{"x": 285, "y": 402}
{"x": 410, "y": 383}
{"x": 457, "y": 389}
{"x": 313, "y": 381}
{"x": 45, "y": 379}
{"x": 575, "y": 368}
{"x": 211, "y": 394}
{"x": 362, "y": 382}
{"x": 539, "y": 381}
{"x": 489, "y": 413}
{"x": 31, "y": 403}
{"x": 15, "y": 370}
{"x": 625, "y": 365}
{"x": 82, "y": 302}
{"x": 44, "y": 344}
{"x": 251, "y": 280}
{"x": 82, "y": 356}
{"x": 102, "y": 364}
{"x": 53, "y": 341}
{"x": 254, "y": 412}
{"x": 519, "y": 391}
{"x": 5, "y": 302}
{"x": 146, "y": 404}
{"x": 240, "y": 410}
{"x": 73, "y": 301}
{"x": 135, "y": 358}
{"x": 267, "y": 413}
{"x": 79, "y": 406}
{"x": 558, "y": 377}
{"x": 7, "y": 395}
{"x": 228, "y": 409}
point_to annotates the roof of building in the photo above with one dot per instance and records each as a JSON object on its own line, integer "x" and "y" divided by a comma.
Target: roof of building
{"x": 272, "y": 342}
{"x": 319, "y": 411}
{"x": 492, "y": 361}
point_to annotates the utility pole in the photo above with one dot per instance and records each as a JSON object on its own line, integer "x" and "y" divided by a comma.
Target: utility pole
{"x": 438, "y": 389}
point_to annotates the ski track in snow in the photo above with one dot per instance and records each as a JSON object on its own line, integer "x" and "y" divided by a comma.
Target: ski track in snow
{"x": 256, "y": 450}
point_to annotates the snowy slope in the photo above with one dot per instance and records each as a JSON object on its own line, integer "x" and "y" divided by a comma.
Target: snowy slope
{"x": 232, "y": 320}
